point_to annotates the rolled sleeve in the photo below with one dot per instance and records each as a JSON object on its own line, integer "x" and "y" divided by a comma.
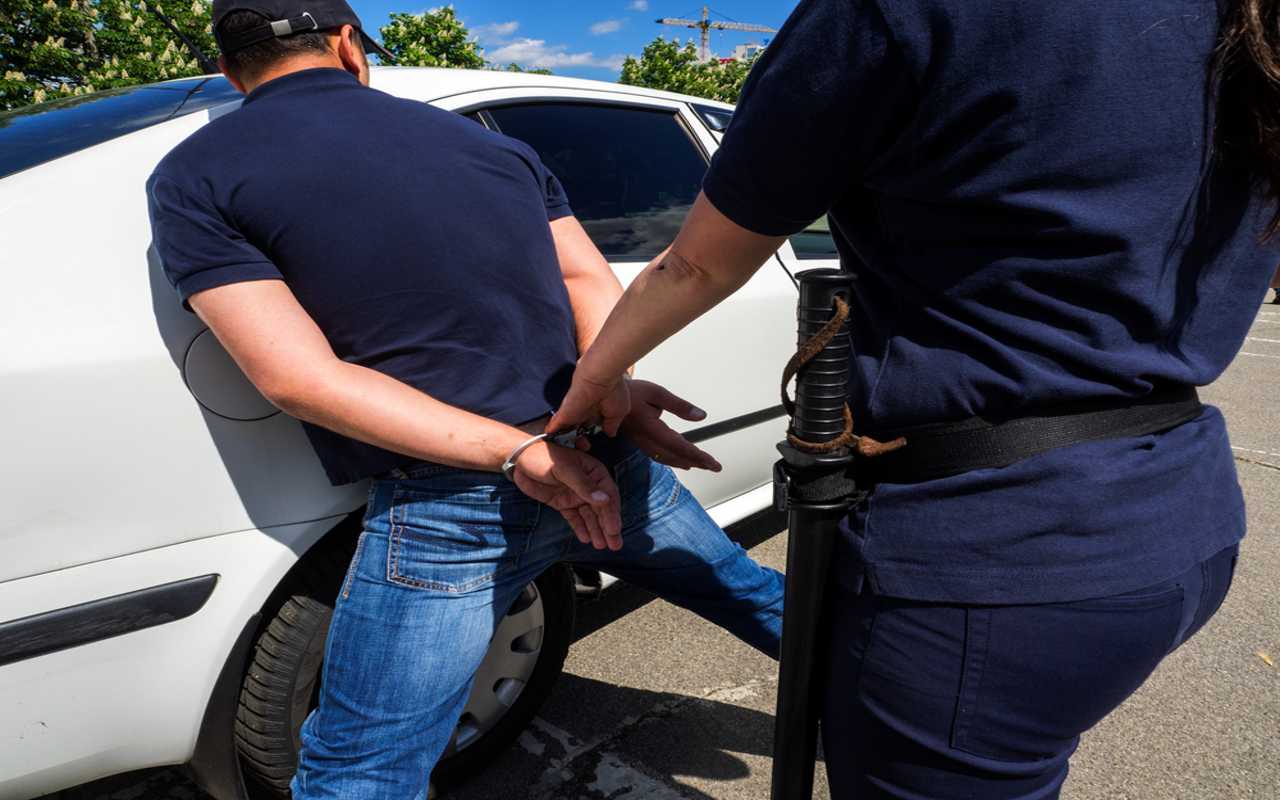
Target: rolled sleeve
{"x": 198, "y": 248}
{"x": 822, "y": 100}
{"x": 555, "y": 197}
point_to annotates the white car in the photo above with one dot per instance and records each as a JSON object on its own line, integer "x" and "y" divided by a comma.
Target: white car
{"x": 171, "y": 546}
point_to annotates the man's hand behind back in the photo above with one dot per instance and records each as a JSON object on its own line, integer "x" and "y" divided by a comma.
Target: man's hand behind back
{"x": 578, "y": 486}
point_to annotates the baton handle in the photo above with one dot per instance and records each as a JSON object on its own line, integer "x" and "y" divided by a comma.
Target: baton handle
{"x": 822, "y": 387}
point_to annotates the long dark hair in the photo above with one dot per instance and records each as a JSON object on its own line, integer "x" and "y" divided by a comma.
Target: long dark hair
{"x": 1248, "y": 73}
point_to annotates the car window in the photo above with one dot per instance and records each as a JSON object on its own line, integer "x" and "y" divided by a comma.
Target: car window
{"x": 38, "y": 133}
{"x": 815, "y": 241}
{"x": 717, "y": 118}
{"x": 631, "y": 174}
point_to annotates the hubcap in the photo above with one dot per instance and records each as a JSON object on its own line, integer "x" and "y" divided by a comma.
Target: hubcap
{"x": 507, "y": 667}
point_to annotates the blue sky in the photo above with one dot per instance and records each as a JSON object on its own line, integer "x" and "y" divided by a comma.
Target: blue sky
{"x": 584, "y": 39}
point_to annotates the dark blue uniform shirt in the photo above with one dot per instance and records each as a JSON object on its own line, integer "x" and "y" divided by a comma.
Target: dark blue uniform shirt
{"x": 416, "y": 239}
{"x": 1025, "y": 193}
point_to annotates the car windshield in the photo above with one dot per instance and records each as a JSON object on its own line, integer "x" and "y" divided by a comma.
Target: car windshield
{"x": 35, "y": 134}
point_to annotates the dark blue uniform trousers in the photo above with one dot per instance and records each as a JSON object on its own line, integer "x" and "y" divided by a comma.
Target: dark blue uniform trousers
{"x": 933, "y": 701}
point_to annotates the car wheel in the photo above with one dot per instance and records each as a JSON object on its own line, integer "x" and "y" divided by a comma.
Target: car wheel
{"x": 282, "y": 684}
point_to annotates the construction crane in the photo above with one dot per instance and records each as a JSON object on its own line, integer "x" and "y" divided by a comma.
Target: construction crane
{"x": 706, "y": 25}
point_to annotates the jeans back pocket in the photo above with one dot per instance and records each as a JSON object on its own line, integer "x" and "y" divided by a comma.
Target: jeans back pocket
{"x": 456, "y": 539}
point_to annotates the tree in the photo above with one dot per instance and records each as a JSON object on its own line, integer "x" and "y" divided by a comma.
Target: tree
{"x": 63, "y": 48}
{"x": 514, "y": 67}
{"x": 666, "y": 65}
{"x": 435, "y": 38}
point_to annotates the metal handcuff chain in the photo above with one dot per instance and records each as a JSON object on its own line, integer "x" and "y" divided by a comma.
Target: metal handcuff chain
{"x": 564, "y": 439}
{"x": 864, "y": 445}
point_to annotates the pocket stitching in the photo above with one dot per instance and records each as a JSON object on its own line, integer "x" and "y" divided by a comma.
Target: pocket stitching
{"x": 395, "y": 537}
{"x": 972, "y": 672}
{"x": 353, "y": 566}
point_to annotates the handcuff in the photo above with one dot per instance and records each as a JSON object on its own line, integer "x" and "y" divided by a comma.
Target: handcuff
{"x": 564, "y": 439}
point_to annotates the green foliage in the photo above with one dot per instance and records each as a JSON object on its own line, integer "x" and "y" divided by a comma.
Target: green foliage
{"x": 666, "y": 65}
{"x": 514, "y": 67}
{"x": 64, "y": 48}
{"x": 436, "y": 38}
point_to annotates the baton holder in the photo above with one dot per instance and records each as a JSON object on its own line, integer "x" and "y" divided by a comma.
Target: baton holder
{"x": 816, "y": 492}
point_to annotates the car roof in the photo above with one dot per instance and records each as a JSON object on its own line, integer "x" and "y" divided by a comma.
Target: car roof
{"x": 442, "y": 82}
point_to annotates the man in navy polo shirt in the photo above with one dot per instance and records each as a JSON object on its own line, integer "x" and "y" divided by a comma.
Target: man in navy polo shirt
{"x": 415, "y": 288}
{"x": 1043, "y": 211}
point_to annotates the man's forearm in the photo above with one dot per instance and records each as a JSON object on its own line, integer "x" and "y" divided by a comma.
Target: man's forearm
{"x": 592, "y": 298}
{"x": 371, "y": 407}
{"x": 592, "y": 286}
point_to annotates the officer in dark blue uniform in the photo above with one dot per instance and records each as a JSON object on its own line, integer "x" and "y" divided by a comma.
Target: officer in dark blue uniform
{"x": 1051, "y": 210}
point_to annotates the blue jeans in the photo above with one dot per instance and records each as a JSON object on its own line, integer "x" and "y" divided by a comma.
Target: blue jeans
{"x": 443, "y": 556}
{"x": 937, "y": 701}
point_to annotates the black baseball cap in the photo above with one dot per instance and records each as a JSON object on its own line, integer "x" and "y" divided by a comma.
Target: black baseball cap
{"x": 287, "y": 17}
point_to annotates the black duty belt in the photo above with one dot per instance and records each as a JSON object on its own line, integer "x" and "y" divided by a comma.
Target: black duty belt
{"x": 943, "y": 450}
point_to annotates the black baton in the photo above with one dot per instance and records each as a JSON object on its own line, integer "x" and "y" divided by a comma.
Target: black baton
{"x": 814, "y": 486}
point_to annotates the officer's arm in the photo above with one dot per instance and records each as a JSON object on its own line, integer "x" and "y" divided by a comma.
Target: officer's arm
{"x": 710, "y": 260}
{"x": 593, "y": 292}
{"x": 593, "y": 288}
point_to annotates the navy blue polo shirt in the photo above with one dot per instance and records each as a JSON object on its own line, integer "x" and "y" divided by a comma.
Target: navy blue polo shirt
{"x": 1026, "y": 196}
{"x": 415, "y": 238}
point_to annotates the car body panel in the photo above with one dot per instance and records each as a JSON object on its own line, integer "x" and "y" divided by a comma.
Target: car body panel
{"x": 135, "y": 700}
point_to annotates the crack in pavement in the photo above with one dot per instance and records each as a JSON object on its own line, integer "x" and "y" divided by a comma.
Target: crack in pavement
{"x": 1256, "y": 463}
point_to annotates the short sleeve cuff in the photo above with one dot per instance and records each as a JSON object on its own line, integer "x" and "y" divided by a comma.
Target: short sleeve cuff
{"x": 747, "y": 211}
{"x": 223, "y": 276}
{"x": 558, "y": 211}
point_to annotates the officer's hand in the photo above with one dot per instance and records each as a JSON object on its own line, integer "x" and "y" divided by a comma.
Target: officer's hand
{"x": 593, "y": 401}
{"x": 644, "y": 427}
{"x": 576, "y": 485}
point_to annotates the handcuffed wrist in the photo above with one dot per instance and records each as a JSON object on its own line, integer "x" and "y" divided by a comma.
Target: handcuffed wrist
{"x": 509, "y": 466}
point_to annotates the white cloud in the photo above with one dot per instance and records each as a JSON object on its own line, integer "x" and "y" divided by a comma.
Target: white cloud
{"x": 495, "y": 32}
{"x": 538, "y": 54}
{"x": 606, "y": 26}
{"x": 639, "y": 5}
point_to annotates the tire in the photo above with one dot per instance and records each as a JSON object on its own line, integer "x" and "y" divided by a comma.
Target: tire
{"x": 282, "y": 683}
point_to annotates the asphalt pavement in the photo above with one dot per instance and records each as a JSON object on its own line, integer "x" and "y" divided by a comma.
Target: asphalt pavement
{"x": 656, "y": 704}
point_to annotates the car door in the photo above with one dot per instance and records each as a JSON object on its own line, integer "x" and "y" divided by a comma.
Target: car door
{"x": 632, "y": 167}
